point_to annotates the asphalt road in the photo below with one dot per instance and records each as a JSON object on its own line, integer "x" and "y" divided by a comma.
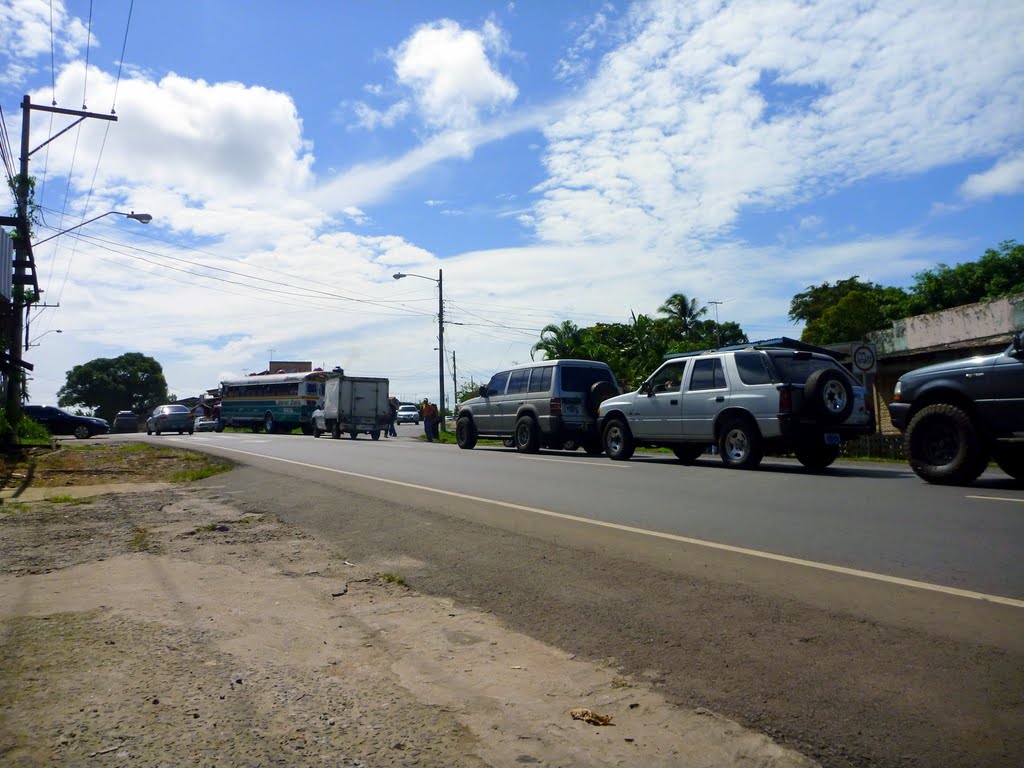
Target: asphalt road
{"x": 860, "y": 616}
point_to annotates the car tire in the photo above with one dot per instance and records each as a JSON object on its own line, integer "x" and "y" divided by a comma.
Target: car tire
{"x": 336, "y": 431}
{"x": 943, "y": 446}
{"x": 81, "y": 432}
{"x": 527, "y": 435}
{"x": 375, "y": 434}
{"x": 465, "y": 433}
{"x": 599, "y": 392}
{"x": 268, "y": 424}
{"x": 618, "y": 440}
{"x": 740, "y": 444}
{"x": 688, "y": 453}
{"x": 829, "y": 395}
{"x": 816, "y": 456}
{"x": 1010, "y": 459}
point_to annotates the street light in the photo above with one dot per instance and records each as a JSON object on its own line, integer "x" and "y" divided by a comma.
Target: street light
{"x": 143, "y": 218}
{"x": 35, "y": 342}
{"x": 440, "y": 334}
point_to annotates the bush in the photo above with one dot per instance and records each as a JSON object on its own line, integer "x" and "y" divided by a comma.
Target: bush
{"x": 29, "y": 432}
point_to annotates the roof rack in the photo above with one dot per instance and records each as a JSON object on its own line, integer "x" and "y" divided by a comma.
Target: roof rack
{"x": 783, "y": 342}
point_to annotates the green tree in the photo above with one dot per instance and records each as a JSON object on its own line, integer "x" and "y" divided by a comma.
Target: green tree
{"x": 999, "y": 272}
{"x": 683, "y": 313}
{"x": 132, "y": 382}
{"x": 847, "y": 310}
{"x": 558, "y": 341}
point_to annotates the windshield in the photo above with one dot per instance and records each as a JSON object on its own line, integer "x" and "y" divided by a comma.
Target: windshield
{"x": 577, "y": 378}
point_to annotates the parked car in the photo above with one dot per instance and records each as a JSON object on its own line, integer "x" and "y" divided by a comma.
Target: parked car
{"x": 59, "y": 422}
{"x": 408, "y": 414}
{"x": 538, "y": 405}
{"x": 170, "y": 418}
{"x": 125, "y": 421}
{"x": 748, "y": 401}
{"x": 203, "y": 424}
{"x": 956, "y": 416}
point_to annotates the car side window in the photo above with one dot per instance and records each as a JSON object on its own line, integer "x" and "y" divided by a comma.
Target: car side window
{"x": 518, "y": 381}
{"x": 707, "y": 374}
{"x": 752, "y": 369}
{"x": 496, "y": 386}
{"x": 668, "y": 378}
{"x": 540, "y": 379}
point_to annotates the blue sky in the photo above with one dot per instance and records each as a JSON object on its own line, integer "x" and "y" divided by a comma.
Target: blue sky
{"x": 576, "y": 160}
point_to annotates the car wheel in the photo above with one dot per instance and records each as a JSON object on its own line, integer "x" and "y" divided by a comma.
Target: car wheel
{"x": 816, "y": 456}
{"x": 829, "y": 395}
{"x": 592, "y": 446}
{"x": 268, "y": 424}
{"x": 375, "y": 434}
{"x": 527, "y": 436}
{"x": 618, "y": 440}
{"x": 1011, "y": 460}
{"x": 81, "y": 432}
{"x": 943, "y": 446}
{"x": 688, "y": 454}
{"x": 740, "y": 444}
{"x": 599, "y": 392}
{"x": 465, "y": 433}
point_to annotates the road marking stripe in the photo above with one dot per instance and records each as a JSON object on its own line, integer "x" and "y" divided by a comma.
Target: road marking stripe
{"x": 996, "y": 498}
{"x": 662, "y": 535}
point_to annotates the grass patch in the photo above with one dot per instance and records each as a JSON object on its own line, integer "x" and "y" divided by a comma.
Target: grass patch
{"x": 135, "y": 448}
{"x": 141, "y": 540}
{"x": 211, "y": 528}
{"x": 393, "y": 578}
{"x": 13, "y": 507}
{"x": 65, "y": 499}
{"x": 200, "y": 473}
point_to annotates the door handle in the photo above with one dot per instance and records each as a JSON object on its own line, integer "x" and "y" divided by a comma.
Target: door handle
{"x": 720, "y": 399}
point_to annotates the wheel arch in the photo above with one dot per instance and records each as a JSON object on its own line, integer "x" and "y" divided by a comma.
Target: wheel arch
{"x": 727, "y": 414}
{"x": 944, "y": 395}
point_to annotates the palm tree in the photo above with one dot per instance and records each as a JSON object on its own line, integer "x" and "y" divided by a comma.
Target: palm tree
{"x": 558, "y": 341}
{"x": 683, "y": 313}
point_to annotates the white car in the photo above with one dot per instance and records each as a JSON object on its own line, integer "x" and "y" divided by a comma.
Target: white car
{"x": 408, "y": 414}
{"x": 203, "y": 424}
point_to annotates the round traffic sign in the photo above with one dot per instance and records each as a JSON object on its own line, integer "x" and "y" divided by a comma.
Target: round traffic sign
{"x": 864, "y": 358}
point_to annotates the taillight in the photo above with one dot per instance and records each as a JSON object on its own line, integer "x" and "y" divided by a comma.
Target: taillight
{"x": 556, "y": 406}
{"x": 785, "y": 400}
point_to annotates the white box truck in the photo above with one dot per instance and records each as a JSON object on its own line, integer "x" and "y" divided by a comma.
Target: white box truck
{"x": 352, "y": 405}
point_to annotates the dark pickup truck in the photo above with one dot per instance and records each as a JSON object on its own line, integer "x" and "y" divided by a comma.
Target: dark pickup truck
{"x": 958, "y": 416}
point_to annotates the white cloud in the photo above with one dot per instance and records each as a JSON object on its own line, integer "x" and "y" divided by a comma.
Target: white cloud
{"x": 1004, "y": 178}
{"x": 451, "y": 76}
{"x": 369, "y": 118}
{"x": 577, "y": 58}
{"x": 25, "y": 34}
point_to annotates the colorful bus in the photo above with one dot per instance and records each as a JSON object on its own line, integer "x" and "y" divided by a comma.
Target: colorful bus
{"x": 277, "y": 402}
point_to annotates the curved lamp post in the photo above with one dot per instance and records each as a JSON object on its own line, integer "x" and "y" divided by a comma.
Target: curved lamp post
{"x": 143, "y": 218}
{"x": 440, "y": 335}
{"x": 35, "y": 341}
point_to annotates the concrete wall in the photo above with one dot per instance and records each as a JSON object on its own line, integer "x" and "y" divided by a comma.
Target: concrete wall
{"x": 960, "y": 326}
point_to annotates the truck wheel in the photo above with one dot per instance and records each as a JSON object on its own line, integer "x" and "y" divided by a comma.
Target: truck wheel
{"x": 1011, "y": 460}
{"x": 829, "y": 395}
{"x": 816, "y": 456}
{"x": 335, "y": 431}
{"x": 944, "y": 447}
{"x": 465, "y": 433}
{"x": 268, "y": 423}
{"x": 527, "y": 435}
{"x": 688, "y": 453}
{"x": 375, "y": 434}
{"x": 618, "y": 440}
{"x": 740, "y": 444}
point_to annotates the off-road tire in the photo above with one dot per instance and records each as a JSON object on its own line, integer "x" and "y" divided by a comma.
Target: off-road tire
{"x": 599, "y": 392}
{"x": 688, "y": 453}
{"x": 740, "y": 444}
{"x": 944, "y": 446}
{"x": 816, "y": 456}
{"x": 618, "y": 440}
{"x": 527, "y": 435}
{"x": 829, "y": 396}
{"x": 465, "y": 433}
{"x": 1010, "y": 459}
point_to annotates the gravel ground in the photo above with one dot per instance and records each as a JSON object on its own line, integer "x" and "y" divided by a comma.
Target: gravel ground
{"x": 175, "y": 627}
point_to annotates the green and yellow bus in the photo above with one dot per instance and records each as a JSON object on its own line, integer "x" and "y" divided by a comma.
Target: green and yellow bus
{"x": 276, "y": 402}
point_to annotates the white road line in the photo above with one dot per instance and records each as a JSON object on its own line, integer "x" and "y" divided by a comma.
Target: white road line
{"x": 924, "y": 585}
{"x": 995, "y": 498}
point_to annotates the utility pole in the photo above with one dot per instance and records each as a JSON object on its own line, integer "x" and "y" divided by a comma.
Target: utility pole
{"x": 718, "y": 328}
{"x": 455, "y": 383}
{"x": 24, "y": 260}
{"x": 440, "y": 346}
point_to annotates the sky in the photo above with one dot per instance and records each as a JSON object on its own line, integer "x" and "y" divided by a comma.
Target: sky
{"x": 580, "y": 160}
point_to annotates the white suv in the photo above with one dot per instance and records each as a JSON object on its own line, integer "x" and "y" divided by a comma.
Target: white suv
{"x": 746, "y": 402}
{"x": 546, "y": 404}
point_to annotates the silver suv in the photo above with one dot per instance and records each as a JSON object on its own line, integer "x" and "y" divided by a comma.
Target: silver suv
{"x": 746, "y": 402}
{"x": 545, "y": 404}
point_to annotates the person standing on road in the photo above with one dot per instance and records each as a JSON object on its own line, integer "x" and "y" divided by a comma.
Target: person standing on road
{"x": 392, "y": 417}
{"x": 429, "y": 419}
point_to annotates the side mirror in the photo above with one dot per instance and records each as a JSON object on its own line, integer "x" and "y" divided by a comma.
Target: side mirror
{"x": 645, "y": 389}
{"x": 482, "y": 391}
{"x": 1018, "y": 342}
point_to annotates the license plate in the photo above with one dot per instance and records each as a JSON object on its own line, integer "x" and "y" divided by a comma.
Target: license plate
{"x": 832, "y": 438}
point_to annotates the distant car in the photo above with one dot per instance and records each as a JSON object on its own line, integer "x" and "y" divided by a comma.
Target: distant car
{"x": 408, "y": 414}
{"x": 59, "y": 422}
{"x": 170, "y": 418}
{"x": 203, "y": 424}
{"x": 125, "y": 421}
